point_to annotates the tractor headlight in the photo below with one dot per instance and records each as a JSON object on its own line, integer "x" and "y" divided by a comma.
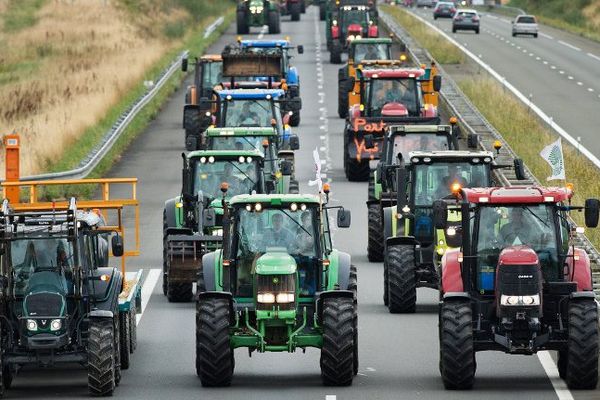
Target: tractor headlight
{"x": 218, "y": 232}
{"x": 55, "y": 325}
{"x": 285, "y": 298}
{"x": 351, "y": 38}
{"x": 358, "y": 37}
{"x": 268, "y": 298}
{"x": 533, "y": 300}
{"x": 32, "y": 325}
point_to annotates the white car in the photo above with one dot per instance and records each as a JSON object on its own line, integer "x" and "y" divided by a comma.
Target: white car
{"x": 525, "y": 25}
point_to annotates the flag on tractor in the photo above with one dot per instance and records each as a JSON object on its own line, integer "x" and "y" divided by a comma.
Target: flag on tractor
{"x": 553, "y": 155}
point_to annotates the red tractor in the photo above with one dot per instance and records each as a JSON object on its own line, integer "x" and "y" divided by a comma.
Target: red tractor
{"x": 351, "y": 22}
{"x": 517, "y": 283}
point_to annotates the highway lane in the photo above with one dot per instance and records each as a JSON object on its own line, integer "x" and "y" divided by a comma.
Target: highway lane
{"x": 560, "y": 71}
{"x": 398, "y": 353}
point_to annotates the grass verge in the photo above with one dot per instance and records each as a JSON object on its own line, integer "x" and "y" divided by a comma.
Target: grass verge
{"x": 527, "y": 136}
{"x": 443, "y": 51}
{"x": 21, "y": 14}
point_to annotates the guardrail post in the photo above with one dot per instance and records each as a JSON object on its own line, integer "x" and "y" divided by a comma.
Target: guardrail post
{"x": 12, "y": 166}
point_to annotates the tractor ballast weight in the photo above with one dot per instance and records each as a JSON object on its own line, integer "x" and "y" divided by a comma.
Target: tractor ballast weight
{"x": 279, "y": 292}
{"x": 518, "y": 284}
{"x": 257, "y": 13}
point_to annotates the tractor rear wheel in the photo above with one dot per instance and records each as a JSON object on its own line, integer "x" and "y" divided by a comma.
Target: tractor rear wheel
{"x": 371, "y": 187}
{"x": 101, "y": 357}
{"x": 179, "y": 292}
{"x": 303, "y": 6}
{"x": 274, "y": 22}
{"x": 295, "y": 118}
{"x": 353, "y": 286}
{"x": 295, "y": 9}
{"x": 342, "y": 99}
{"x": 133, "y": 327}
{"x": 335, "y": 54}
{"x": 165, "y": 256}
{"x": 386, "y": 283}
{"x": 337, "y": 353}
{"x": 125, "y": 338}
{"x": 375, "y": 242}
{"x": 582, "y": 346}
{"x": 457, "y": 354}
{"x": 242, "y": 24}
{"x": 214, "y": 356}
{"x": 356, "y": 171}
{"x": 402, "y": 285}
{"x": 322, "y": 11}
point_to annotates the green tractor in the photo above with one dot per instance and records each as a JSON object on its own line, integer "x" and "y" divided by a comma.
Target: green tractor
{"x": 398, "y": 141}
{"x": 266, "y": 140}
{"x": 277, "y": 285}
{"x": 258, "y": 13}
{"x": 186, "y": 234}
{"x": 408, "y": 229}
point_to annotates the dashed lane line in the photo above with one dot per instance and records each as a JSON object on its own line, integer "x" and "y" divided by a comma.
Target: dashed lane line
{"x": 569, "y": 45}
{"x": 594, "y": 56}
{"x": 147, "y": 289}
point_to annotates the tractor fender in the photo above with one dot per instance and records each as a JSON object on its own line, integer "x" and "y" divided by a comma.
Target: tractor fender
{"x": 451, "y": 272}
{"x": 220, "y": 295}
{"x": 388, "y": 222}
{"x": 457, "y": 296}
{"x": 105, "y": 294}
{"x": 293, "y": 78}
{"x": 171, "y": 210}
{"x": 101, "y": 314}
{"x": 329, "y": 294}
{"x": 373, "y": 31}
{"x": 343, "y": 269}
{"x": 209, "y": 266}
{"x": 335, "y": 32}
{"x": 583, "y": 295}
{"x": 401, "y": 241}
{"x": 578, "y": 269}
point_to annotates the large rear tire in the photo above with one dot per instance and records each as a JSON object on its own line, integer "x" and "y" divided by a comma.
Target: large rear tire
{"x": 356, "y": 171}
{"x": 214, "y": 355}
{"x": 125, "y": 337}
{"x": 295, "y": 118}
{"x": 322, "y": 11}
{"x": 295, "y": 9}
{"x": 582, "y": 347}
{"x": 165, "y": 256}
{"x": 101, "y": 357}
{"x": 371, "y": 187}
{"x": 342, "y": 99}
{"x": 179, "y": 292}
{"x": 402, "y": 285}
{"x": 375, "y": 234}
{"x": 353, "y": 286}
{"x": 335, "y": 54}
{"x": 457, "y": 354}
{"x": 274, "y": 22}
{"x": 242, "y": 24}
{"x": 337, "y": 353}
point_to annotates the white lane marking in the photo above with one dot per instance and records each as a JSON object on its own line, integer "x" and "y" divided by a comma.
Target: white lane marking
{"x": 571, "y": 78}
{"x": 561, "y": 72}
{"x": 580, "y": 83}
{"x": 546, "y": 36}
{"x": 538, "y": 58}
{"x": 147, "y": 289}
{"x": 370, "y": 369}
{"x": 590, "y": 89}
{"x": 569, "y": 45}
{"x": 330, "y": 397}
{"x": 545, "y": 62}
{"x": 594, "y": 56}
{"x": 552, "y": 371}
{"x": 519, "y": 47}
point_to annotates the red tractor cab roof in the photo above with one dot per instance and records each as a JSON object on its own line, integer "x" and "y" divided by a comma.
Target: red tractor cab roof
{"x": 393, "y": 73}
{"x": 517, "y": 195}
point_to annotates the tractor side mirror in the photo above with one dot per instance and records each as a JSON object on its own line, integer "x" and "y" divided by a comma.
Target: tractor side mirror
{"x": 591, "y": 212}
{"x": 472, "y": 140}
{"x": 117, "y": 245}
{"x": 270, "y": 186}
{"x": 343, "y": 218}
{"x": 294, "y": 142}
{"x": 440, "y": 214}
{"x": 350, "y": 84}
{"x": 369, "y": 142}
{"x": 286, "y": 167}
{"x": 184, "y": 64}
{"x": 437, "y": 83}
{"x": 209, "y": 217}
{"x": 300, "y": 49}
{"x": 519, "y": 169}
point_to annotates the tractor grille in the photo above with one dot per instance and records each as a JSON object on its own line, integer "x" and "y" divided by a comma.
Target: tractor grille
{"x": 520, "y": 279}
{"x": 44, "y": 304}
{"x": 276, "y": 284}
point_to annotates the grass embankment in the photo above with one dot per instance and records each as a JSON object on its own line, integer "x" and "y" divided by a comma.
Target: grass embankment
{"x": 577, "y": 16}
{"x": 72, "y": 67}
{"x": 527, "y": 136}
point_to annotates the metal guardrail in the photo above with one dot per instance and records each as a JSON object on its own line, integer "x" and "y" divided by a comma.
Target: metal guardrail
{"x": 471, "y": 120}
{"x": 96, "y": 155}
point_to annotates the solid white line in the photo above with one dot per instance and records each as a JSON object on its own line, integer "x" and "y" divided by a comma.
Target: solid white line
{"x": 593, "y": 56}
{"x": 590, "y": 89}
{"x": 569, "y": 45}
{"x": 552, "y": 371}
{"x": 546, "y": 36}
{"x": 147, "y": 289}
{"x": 330, "y": 397}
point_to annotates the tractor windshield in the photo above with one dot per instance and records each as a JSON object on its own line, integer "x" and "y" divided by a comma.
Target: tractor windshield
{"x": 292, "y": 230}
{"x": 246, "y": 143}
{"x": 37, "y": 262}
{"x": 404, "y": 144}
{"x": 351, "y": 17}
{"x": 533, "y": 225}
{"x": 371, "y": 51}
{"x": 242, "y": 175}
{"x": 386, "y": 91}
{"x": 212, "y": 74}
{"x": 433, "y": 181}
{"x": 249, "y": 113}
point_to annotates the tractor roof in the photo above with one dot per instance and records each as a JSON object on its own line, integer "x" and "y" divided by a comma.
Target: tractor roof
{"x": 376, "y": 64}
{"x": 242, "y": 131}
{"x": 275, "y": 199}
{"x": 390, "y": 73}
{"x": 225, "y": 153}
{"x": 380, "y": 40}
{"x": 454, "y": 155}
{"x": 251, "y": 94}
{"x": 517, "y": 195}
{"x": 394, "y": 130}
{"x": 265, "y": 43}
{"x": 211, "y": 58}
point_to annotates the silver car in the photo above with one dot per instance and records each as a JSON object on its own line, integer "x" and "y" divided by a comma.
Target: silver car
{"x": 525, "y": 25}
{"x": 465, "y": 20}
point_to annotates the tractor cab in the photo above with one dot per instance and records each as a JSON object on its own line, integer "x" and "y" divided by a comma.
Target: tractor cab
{"x": 208, "y": 72}
{"x": 519, "y": 282}
{"x": 281, "y": 47}
{"x": 369, "y": 49}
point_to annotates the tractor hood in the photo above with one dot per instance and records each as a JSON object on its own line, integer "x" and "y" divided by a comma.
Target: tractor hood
{"x": 275, "y": 262}
{"x": 45, "y": 295}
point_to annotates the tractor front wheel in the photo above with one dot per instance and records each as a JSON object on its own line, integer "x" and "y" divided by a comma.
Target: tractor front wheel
{"x": 375, "y": 234}
{"x": 165, "y": 255}
{"x": 101, "y": 357}
{"x": 342, "y": 99}
{"x": 402, "y": 285}
{"x": 457, "y": 354}
{"x": 214, "y": 356}
{"x": 371, "y": 187}
{"x": 295, "y": 118}
{"x": 582, "y": 347}
{"x": 322, "y": 11}
{"x": 295, "y": 9}
{"x": 335, "y": 54}
{"x": 337, "y": 353}
{"x": 353, "y": 287}
{"x": 274, "y": 22}
{"x": 125, "y": 338}
{"x": 242, "y": 23}
{"x": 179, "y": 292}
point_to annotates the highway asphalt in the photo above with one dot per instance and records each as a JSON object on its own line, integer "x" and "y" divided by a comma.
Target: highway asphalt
{"x": 398, "y": 353}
